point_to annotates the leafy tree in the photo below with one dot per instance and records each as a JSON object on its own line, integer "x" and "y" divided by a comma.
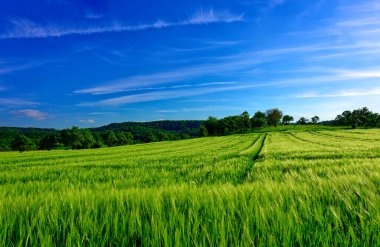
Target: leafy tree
{"x": 303, "y": 121}
{"x": 211, "y": 125}
{"x": 110, "y": 138}
{"x": 258, "y": 120}
{"x": 287, "y": 119}
{"x": 274, "y": 116}
{"x": 203, "y": 131}
{"x": 124, "y": 138}
{"x": 22, "y": 143}
{"x": 98, "y": 138}
{"x": 49, "y": 142}
{"x": 149, "y": 137}
{"x": 315, "y": 119}
{"x": 77, "y": 138}
{"x": 245, "y": 121}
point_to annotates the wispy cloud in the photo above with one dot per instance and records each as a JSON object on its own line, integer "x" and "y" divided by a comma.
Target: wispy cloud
{"x": 274, "y": 3}
{"x": 127, "y": 85}
{"x": 11, "y": 102}
{"x": 7, "y": 67}
{"x": 360, "y": 22}
{"x": 24, "y": 28}
{"x": 91, "y": 14}
{"x": 200, "y": 109}
{"x": 343, "y": 93}
{"x": 151, "y": 96}
{"x": 34, "y": 114}
{"x": 366, "y": 6}
{"x": 87, "y": 121}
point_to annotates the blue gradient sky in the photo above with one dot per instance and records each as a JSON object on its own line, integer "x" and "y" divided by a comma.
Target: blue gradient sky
{"x": 89, "y": 63}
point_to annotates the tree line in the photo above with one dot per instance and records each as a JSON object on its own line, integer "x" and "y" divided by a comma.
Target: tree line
{"x": 362, "y": 117}
{"x": 132, "y": 133}
{"x": 243, "y": 122}
{"x": 116, "y": 134}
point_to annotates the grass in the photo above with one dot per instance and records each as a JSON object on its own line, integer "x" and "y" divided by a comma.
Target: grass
{"x": 292, "y": 187}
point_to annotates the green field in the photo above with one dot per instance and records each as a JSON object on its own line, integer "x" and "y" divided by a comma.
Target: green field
{"x": 290, "y": 188}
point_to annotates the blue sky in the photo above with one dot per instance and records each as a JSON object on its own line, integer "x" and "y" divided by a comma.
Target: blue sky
{"x": 89, "y": 63}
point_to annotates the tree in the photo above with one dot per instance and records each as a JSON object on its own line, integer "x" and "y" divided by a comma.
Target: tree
{"x": 203, "y": 131}
{"x": 77, "y": 138}
{"x": 358, "y": 118}
{"x": 303, "y": 121}
{"x": 110, "y": 138}
{"x": 149, "y": 137}
{"x": 287, "y": 119}
{"x": 211, "y": 125}
{"x": 22, "y": 143}
{"x": 274, "y": 116}
{"x": 245, "y": 121}
{"x": 258, "y": 120}
{"x": 49, "y": 142}
{"x": 124, "y": 138}
{"x": 315, "y": 119}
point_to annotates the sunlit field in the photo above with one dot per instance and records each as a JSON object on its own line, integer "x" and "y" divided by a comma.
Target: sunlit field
{"x": 291, "y": 188}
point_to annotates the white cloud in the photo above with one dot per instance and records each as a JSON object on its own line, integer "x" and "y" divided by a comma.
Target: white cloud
{"x": 343, "y": 93}
{"x": 34, "y": 114}
{"x": 359, "y": 22}
{"x": 210, "y": 16}
{"x": 24, "y": 28}
{"x": 16, "y": 102}
{"x": 88, "y": 121}
{"x": 367, "y": 6}
{"x": 91, "y": 14}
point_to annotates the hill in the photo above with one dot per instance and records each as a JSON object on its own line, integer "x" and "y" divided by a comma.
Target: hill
{"x": 160, "y": 130}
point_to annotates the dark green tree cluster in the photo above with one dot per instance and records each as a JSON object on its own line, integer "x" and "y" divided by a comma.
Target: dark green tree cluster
{"x": 22, "y": 143}
{"x": 362, "y": 117}
{"x": 231, "y": 124}
{"x": 305, "y": 121}
{"x": 271, "y": 117}
{"x": 242, "y": 123}
{"x": 77, "y": 138}
{"x": 115, "y": 134}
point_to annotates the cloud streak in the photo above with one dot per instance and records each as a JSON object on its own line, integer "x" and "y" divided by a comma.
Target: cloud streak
{"x": 87, "y": 121}
{"x": 343, "y": 93}
{"x": 34, "y": 114}
{"x": 24, "y": 28}
{"x": 11, "y": 102}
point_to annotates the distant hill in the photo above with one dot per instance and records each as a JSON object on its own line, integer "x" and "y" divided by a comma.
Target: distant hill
{"x": 139, "y": 129}
{"x": 162, "y": 130}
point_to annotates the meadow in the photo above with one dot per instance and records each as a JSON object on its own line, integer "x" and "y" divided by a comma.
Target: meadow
{"x": 270, "y": 188}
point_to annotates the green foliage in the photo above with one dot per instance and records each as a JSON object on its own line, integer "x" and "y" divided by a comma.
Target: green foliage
{"x": 303, "y": 121}
{"x": 76, "y": 138}
{"x": 287, "y": 119}
{"x": 124, "y": 138}
{"x": 362, "y": 117}
{"x": 259, "y": 120}
{"x": 110, "y": 138}
{"x": 245, "y": 121}
{"x": 311, "y": 186}
{"x": 22, "y": 143}
{"x": 203, "y": 131}
{"x": 274, "y": 117}
{"x": 49, "y": 142}
{"x": 315, "y": 120}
